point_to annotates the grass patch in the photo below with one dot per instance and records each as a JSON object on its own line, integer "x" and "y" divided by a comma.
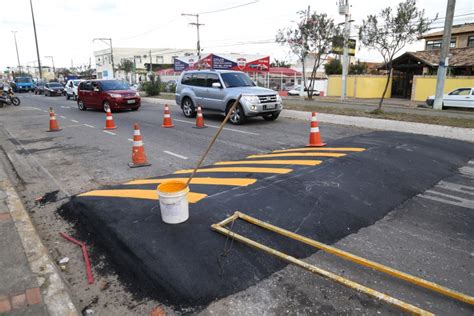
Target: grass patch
{"x": 406, "y": 117}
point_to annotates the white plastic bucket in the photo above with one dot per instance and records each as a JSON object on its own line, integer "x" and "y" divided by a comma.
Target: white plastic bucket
{"x": 174, "y": 205}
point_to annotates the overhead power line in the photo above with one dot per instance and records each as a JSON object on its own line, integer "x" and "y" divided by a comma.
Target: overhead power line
{"x": 229, "y": 8}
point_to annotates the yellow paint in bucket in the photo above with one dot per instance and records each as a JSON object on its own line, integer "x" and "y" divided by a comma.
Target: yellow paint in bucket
{"x": 173, "y": 201}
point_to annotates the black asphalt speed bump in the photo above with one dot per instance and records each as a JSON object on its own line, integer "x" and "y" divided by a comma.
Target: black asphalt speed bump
{"x": 325, "y": 201}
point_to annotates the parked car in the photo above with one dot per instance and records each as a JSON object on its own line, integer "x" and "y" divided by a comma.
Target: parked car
{"x": 23, "y": 84}
{"x": 71, "y": 88}
{"x": 217, "y": 90}
{"x": 100, "y": 94}
{"x": 461, "y": 97}
{"x": 52, "y": 89}
{"x": 39, "y": 87}
{"x": 297, "y": 91}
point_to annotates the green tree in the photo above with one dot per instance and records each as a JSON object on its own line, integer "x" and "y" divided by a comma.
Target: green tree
{"x": 314, "y": 35}
{"x": 280, "y": 63}
{"x": 333, "y": 67}
{"x": 390, "y": 31}
{"x": 358, "y": 68}
{"x": 125, "y": 65}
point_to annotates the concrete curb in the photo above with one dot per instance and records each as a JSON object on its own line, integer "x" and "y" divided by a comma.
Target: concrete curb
{"x": 55, "y": 293}
{"x": 466, "y": 134}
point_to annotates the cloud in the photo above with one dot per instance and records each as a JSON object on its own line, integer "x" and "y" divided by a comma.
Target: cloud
{"x": 106, "y": 6}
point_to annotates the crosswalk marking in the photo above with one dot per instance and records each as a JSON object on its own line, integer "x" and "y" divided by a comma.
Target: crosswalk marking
{"x": 238, "y": 182}
{"x": 448, "y": 199}
{"x": 350, "y": 149}
{"x": 193, "y": 197}
{"x": 271, "y": 162}
{"x": 298, "y": 155}
{"x": 239, "y": 169}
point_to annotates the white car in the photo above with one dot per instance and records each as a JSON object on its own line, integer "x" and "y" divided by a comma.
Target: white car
{"x": 71, "y": 88}
{"x": 461, "y": 98}
{"x": 297, "y": 91}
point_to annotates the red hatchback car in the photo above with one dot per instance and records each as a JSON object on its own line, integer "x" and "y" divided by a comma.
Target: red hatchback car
{"x": 100, "y": 94}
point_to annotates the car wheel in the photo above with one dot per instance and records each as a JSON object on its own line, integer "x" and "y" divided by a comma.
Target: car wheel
{"x": 188, "y": 108}
{"x": 271, "y": 117}
{"x": 81, "y": 105}
{"x": 237, "y": 117}
{"x": 106, "y": 106}
{"x": 67, "y": 96}
{"x": 74, "y": 96}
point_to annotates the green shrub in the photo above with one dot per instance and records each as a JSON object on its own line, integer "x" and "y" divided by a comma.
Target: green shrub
{"x": 151, "y": 87}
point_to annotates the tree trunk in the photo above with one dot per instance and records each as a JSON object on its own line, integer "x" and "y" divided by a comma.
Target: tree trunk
{"x": 385, "y": 89}
{"x": 311, "y": 81}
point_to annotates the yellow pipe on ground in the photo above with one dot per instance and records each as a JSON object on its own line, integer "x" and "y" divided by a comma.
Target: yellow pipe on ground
{"x": 367, "y": 263}
{"x": 314, "y": 269}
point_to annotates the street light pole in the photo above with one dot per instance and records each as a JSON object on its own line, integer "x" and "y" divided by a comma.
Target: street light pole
{"x": 111, "y": 52}
{"x": 197, "y": 24}
{"x": 443, "y": 58}
{"x": 344, "y": 9}
{"x": 54, "y": 68}
{"x": 36, "y": 41}
{"x": 17, "y": 55}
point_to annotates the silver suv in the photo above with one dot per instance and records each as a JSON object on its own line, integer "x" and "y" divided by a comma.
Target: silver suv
{"x": 216, "y": 90}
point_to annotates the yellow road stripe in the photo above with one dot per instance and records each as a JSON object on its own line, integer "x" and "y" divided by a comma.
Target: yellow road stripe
{"x": 238, "y": 182}
{"x": 139, "y": 194}
{"x": 272, "y": 162}
{"x": 239, "y": 169}
{"x": 298, "y": 155}
{"x": 352, "y": 149}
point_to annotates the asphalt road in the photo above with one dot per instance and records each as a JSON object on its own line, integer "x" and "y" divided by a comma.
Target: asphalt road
{"x": 83, "y": 157}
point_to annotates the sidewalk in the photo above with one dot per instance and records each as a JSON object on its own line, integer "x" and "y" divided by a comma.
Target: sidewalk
{"x": 29, "y": 281}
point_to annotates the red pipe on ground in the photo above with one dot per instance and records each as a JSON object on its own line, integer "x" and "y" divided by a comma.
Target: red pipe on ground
{"x": 90, "y": 277}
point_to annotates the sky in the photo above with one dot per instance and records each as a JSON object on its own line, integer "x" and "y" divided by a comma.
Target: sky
{"x": 66, "y": 29}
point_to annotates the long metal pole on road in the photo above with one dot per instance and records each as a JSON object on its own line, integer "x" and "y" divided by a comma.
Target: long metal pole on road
{"x": 36, "y": 41}
{"x": 443, "y": 58}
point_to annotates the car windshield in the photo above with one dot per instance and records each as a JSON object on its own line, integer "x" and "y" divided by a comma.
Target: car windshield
{"x": 55, "y": 85}
{"x": 114, "y": 85}
{"x": 23, "y": 80}
{"x": 76, "y": 82}
{"x": 238, "y": 79}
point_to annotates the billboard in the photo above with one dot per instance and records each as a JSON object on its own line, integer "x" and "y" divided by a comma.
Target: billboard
{"x": 247, "y": 63}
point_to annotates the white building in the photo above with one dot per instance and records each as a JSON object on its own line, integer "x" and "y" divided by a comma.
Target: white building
{"x": 141, "y": 57}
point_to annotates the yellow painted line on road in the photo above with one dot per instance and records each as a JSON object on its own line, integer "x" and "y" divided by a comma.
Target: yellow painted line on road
{"x": 350, "y": 149}
{"x": 239, "y": 169}
{"x": 271, "y": 162}
{"x": 238, "y": 182}
{"x": 298, "y": 155}
{"x": 139, "y": 194}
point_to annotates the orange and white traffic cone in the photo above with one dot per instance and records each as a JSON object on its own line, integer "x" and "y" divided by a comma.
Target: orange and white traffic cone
{"x": 138, "y": 151}
{"x": 109, "y": 120}
{"x": 53, "y": 124}
{"x": 167, "y": 122}
{"x": 314, "y": 134}
{"x": 199, "y": 119}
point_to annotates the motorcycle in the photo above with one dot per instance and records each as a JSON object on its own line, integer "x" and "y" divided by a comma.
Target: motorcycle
{"x": 8, "y": 98}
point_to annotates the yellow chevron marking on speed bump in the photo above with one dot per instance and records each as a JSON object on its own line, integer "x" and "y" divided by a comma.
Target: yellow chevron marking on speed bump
{"x": 238, "y": 182}
{"x": 239, "y": 169}
{"x": 351, "y": 149}
{"x": 298, "y": 155}
{"x": 272, "y": 162}
{"x": 139, "y": 194}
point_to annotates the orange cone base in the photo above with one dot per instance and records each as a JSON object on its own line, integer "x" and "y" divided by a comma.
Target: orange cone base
{"x": 55, "y": 130}
{"x": 167, "y": 126}
{"x": 200, "y": 126}
{"x": 137, "y": 165}
{"x": 107, "y": 128}
{"x": 316, "y": 145}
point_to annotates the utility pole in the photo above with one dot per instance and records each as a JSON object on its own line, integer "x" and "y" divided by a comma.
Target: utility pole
{"x": 111, "y": 52}
{"x": 344, "y": 10}
{"x": 36, "y": 41}
{"x": 443, "y": 58}
{"x": 197, "y": 24}
{"x": 17, "y": 55}
{"x": 54, "y": 68}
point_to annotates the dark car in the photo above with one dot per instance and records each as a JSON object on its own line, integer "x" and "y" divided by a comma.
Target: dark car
{"x": 53, "y": 88}
{"x": 100, "y": 94}
{"x": 39, "y": 87}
